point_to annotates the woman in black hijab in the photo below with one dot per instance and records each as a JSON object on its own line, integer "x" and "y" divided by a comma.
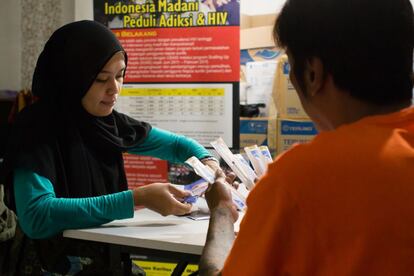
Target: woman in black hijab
{"x": 64, "y": 164}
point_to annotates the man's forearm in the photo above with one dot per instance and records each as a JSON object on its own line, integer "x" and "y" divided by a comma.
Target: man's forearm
{"x": 220, "y": 238}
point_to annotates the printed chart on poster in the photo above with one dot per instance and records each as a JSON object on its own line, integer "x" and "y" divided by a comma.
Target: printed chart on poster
{"x": 203, "y": 112}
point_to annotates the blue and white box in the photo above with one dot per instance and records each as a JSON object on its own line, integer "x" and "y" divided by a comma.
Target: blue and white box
{"x": 291, "y": 131}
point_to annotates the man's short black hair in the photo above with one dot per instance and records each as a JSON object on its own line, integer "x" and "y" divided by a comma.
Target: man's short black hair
{"x": 367, "y": 45}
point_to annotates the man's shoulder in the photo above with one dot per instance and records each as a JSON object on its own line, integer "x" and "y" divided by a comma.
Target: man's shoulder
{"x": 326, "y": 145}
{"x": 329, "y": 153}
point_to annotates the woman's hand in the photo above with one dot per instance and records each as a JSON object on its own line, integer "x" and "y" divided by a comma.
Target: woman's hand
{"x": 162, "y": 198}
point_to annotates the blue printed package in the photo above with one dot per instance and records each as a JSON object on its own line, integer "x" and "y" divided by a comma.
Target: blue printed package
{"x": 268, "y": 53}
{"x": 196, "y": 188}
{"x": 253, "y": 131}
{"x": 238, "y": 201}
{"x": 290, "y": 132}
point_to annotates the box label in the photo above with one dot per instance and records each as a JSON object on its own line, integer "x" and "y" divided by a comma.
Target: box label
{"x": 297, "y": 128}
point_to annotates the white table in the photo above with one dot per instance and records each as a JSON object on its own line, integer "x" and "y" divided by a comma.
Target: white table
{"x": 149, "y": 233}
{"x": 150, "y": 230}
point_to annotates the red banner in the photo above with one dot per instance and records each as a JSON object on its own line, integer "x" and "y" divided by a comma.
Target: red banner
{"x": 203, "y": 54}
{"x": 142, "y": 170}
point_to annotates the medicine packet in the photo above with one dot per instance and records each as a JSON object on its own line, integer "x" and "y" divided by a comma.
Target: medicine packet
{"x": 233, "y": 162}
{"x": 199, "y": 187}
{"x": 196, "y": 189}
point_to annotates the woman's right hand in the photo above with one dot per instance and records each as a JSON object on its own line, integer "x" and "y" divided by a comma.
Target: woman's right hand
{"x": 162, "y": 198}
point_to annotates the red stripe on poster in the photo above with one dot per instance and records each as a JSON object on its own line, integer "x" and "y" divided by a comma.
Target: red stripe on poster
{"x": 202, "y": 54}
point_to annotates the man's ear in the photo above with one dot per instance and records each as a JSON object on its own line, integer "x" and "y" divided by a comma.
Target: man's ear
{"x": 314, "y": 76}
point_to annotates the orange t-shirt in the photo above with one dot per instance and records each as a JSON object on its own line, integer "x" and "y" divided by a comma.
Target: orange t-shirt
{"x": 342, "y": 204}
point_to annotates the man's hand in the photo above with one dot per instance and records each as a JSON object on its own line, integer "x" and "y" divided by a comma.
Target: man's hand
{"x": 163, "y": 198}
{"x": 220, "y": 234}
{"x": 215, "y": 166}
{"x": 231, "y": 179}
{"x": 218, "y": 196}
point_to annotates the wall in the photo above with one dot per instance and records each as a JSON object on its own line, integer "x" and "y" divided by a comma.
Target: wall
{"x": 10, "y": 30}
{"x": 253, "y": 7}
{"x": 84, "y": 9}
{"x": 11, "y": 38}
{"x": 265, "y": 6}
{"x": 10, "y": 44}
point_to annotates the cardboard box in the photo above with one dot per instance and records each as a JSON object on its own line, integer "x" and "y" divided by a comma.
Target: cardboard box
{"x": 258, "y": 131}
{"x": 256, "y": 37}
{"x": 284, "y": 94}
{"x": 291, "y": 131}
{"x": 252, "y": 21}
{"x": 253, "y": 131}
{"x": 263, "y": 20}
{"x": 256, "y": 31}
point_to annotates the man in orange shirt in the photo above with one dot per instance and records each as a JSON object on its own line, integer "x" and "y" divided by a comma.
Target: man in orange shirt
{"x": 342, "y": 204}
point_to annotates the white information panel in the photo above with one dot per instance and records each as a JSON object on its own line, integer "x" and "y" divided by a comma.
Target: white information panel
{"x": 203, "y": 112}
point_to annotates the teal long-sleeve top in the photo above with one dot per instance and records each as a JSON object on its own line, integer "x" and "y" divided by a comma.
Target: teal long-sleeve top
{"x": 41, "y": 214}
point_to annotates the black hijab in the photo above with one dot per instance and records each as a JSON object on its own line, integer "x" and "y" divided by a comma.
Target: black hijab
{"x": 79, "y": 153}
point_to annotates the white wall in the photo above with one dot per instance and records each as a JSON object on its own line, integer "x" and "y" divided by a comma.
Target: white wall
{"x": 253, "y": 7}
{"x": 265, "y": 6}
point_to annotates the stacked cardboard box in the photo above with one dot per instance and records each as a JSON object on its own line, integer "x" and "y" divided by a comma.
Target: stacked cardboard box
{"x": 287, "y": 122}
{"x": 253, "y": 131}
{"x": 293, "y": 131}
{"x": 293, "y": 124}
{"x": 256, "y": 34}
{"x": 256, "y": 31}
